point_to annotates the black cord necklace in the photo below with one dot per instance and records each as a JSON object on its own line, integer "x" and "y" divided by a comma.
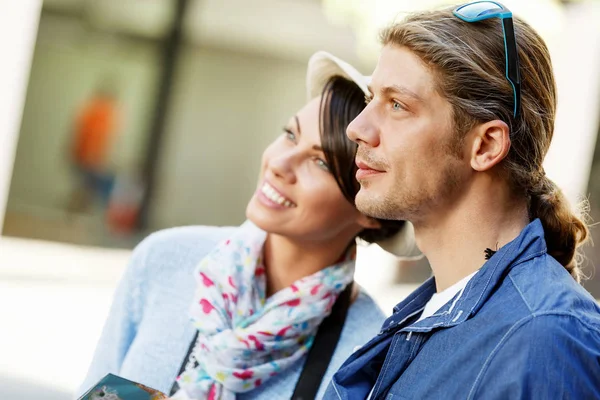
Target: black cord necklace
{"x": 488, "y": 253}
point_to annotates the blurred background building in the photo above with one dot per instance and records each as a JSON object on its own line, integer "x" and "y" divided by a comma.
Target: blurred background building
{"x": 129, "y": 116}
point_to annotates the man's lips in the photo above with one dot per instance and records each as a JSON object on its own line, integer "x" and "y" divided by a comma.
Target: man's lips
{"x": 365, "y": 171}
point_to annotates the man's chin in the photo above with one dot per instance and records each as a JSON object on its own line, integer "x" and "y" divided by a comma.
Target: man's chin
{"x": 376, "y": 205}
{"x": 367, "y": 203}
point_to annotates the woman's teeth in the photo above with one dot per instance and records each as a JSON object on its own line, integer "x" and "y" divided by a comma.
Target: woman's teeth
{"x": 275, "y": 197}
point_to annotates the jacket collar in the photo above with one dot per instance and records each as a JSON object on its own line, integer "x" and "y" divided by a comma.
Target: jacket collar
{"x": 529, "y": 244}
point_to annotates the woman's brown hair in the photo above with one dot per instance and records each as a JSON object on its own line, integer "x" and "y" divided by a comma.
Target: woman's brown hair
{"x": 342, "y": 100}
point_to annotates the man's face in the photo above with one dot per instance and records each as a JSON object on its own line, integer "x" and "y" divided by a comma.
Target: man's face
{"x": 406, "y": 166}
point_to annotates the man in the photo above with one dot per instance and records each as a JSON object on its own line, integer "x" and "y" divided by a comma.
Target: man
{"x": 94, "y": 131}
{"x": 453, "y": 140}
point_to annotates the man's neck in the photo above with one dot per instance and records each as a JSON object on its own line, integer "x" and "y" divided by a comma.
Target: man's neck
{"x": 287, "y": 260}
{"x": 455, "y": 241}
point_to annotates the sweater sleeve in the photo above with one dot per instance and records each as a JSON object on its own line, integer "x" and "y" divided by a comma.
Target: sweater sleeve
{"x": 123, "y": 319}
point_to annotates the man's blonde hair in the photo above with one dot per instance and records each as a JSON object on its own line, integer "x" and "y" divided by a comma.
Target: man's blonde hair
{"x": 468, "y": 63}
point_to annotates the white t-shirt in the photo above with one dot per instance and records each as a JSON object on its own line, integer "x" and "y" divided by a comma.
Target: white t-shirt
{"x": 438, "y": 300}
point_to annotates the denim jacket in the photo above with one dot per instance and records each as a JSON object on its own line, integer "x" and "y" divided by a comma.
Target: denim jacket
{"x": 522, "y": 328}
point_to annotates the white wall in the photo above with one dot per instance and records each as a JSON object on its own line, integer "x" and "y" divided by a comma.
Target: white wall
{"x": 18, "y": 27}
{"x": 226, "y": 108}
{"x": 576, "y": 59}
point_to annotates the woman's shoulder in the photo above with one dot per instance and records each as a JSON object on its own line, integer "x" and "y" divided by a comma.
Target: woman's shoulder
{"x": 159, "y": 277}
{"x": 163, "y": 262}
{"x": 185, "y": 238}
{"x": 173, "y": 247}
{"x": 365, "y": 317}
{"x": 363, "y": 322}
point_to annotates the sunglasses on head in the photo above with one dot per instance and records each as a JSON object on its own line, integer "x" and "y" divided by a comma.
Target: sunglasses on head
{"x": 481, "y": 10}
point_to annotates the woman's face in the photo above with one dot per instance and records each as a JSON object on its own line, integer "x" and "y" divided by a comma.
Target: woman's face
{"x": 297, "y": 196}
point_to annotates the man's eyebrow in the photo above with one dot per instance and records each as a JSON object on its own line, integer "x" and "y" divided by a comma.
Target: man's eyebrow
{"x": 397, "y": 89}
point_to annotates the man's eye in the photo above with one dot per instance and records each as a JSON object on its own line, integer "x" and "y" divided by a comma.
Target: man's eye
{"x": 397, "y": 106}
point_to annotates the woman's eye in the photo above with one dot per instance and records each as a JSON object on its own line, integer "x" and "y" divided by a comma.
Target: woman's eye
{"x": 322, "y": 164}
{"x": 368, "y": 98}
{"x": 289, "y": 135}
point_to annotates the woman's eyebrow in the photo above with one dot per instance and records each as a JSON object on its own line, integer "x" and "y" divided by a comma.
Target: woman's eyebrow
{"x": 298, "y": 124}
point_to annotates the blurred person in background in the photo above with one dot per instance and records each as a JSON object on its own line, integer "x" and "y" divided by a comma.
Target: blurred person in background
{"x": 124, "y": 203}
{"x": 273, "y": 305}
{"x": 94, "y": 129}
{"x": 453, "y": 140}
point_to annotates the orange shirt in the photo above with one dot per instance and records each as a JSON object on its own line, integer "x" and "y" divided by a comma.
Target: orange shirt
{"x": 95, "y": 127}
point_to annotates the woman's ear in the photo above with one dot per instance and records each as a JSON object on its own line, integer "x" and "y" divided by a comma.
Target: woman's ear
{"x": 368, "y": 222}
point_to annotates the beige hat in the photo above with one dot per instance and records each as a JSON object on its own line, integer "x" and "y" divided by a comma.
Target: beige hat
{"x": 321, "y": 67}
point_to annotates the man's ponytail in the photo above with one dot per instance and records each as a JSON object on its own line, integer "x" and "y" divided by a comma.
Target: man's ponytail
{"x": 564, "y": 231}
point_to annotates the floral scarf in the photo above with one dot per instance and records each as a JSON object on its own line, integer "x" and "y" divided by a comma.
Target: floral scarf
{"x": 244, "y": 337}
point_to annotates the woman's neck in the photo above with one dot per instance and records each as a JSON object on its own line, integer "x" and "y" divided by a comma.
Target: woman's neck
{"x": 286, "y": 260}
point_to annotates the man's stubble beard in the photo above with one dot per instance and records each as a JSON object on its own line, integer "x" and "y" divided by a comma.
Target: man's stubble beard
{"x": 406, "y": 205}
{"x": 397, "y": 203}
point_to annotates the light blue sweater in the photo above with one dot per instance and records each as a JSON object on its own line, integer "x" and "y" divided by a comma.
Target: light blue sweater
{"x": 148, "y": 331}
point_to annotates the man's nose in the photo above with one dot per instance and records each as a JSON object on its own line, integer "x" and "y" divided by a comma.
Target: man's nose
{"x": 363, "y": 129}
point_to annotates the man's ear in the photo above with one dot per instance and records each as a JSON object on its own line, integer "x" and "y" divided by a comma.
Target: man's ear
{"x": 490, "y": 144}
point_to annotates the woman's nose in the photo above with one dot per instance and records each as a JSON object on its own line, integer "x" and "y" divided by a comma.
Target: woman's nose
{"x": 283, "y": 166}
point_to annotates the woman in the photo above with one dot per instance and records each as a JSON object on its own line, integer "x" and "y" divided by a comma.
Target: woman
{"x": 261, "y": 292}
